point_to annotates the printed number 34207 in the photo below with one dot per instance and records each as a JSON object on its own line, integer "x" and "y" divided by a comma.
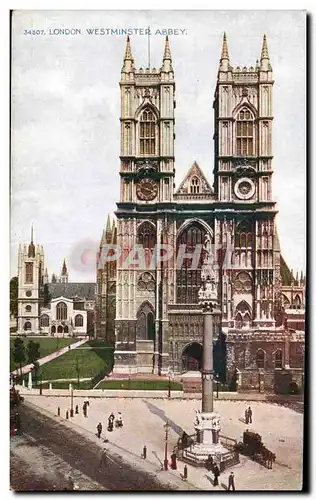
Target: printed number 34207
{"x": 33, "y": 32}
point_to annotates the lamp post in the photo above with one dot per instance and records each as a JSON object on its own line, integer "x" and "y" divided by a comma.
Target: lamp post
{"x": 166, "y": 427}
{"x": 77, "y": 368}
{"x": 171, "y": 377}
{"x": 72, "y": 402}
{"x": 41, "y": 385}
{"x": 217, "y": 382}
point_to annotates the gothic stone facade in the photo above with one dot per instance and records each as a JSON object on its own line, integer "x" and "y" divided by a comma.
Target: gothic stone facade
{"x": 158, "y": 323}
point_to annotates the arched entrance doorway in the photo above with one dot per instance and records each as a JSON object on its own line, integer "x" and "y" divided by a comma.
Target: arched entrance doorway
{"x": 192, "y": 357}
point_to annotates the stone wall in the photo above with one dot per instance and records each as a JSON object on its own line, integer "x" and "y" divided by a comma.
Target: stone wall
{"x": 241, "y": 355}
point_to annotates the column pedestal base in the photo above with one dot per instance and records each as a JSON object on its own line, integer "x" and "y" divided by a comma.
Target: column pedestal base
{"x": 207, "y": 444}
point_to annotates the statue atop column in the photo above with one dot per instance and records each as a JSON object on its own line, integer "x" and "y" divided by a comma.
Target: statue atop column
{"x": 208, "y": 291}
{"x": 207, "y": 421}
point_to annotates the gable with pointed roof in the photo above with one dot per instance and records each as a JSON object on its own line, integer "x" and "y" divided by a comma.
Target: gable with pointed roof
{"x": 194, "y": 186}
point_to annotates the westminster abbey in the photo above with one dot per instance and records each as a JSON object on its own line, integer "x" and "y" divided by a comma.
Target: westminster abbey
{"x": 152, "y": 315}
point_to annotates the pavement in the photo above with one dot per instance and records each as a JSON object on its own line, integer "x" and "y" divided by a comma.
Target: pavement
{"x": 281, "y": 429}
{"x": 53, "y": 449}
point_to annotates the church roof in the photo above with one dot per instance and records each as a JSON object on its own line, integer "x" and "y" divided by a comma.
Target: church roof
{"x": 186, "y": 188}
{"x": 285, "y": 272}
{"x": 72, "y": 290}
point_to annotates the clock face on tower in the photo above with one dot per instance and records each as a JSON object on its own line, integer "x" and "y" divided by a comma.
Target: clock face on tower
{"x": 147, "y": 189}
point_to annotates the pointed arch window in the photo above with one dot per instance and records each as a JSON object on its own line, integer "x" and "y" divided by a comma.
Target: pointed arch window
{"x": 147, "y": 238}
{"x": 245, "y": 133}
{"x": 44, "y": 320}
{"x": 243, "y": 238}
{"x": 147, "y": 133}
{"x": 242, "y": 314}
{"x": 285, "y": 302}
{"x": 278, "y": 359}
{"x": 29, "y": 272}
{"x": 260, "y": 358}
{"x": 195, "y": 185}
{"x": 145, "y": 323}
{"x": 297, "y": 302}
{"x": 189, "y": 280}
{"x": 146, "y": 235}
{"x": 78, "y": 320}
{"x": 61, "y": 311}
{"x": 27, "y": 326}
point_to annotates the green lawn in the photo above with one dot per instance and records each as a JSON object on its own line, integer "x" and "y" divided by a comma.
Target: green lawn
{"x": 91, "y": 363}
{"x": 47, "y": 346}
{"x": 142, "y": 385}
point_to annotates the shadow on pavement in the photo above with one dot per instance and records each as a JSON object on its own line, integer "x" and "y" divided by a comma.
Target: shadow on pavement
{"x": 160, "y": 413}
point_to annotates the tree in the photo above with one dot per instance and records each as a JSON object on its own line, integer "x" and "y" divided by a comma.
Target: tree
{"x": 33, "y": 354}
{"x": 14, "y": 291}
{"x": 19, "y": 352}
{"x": 47, "y": 297}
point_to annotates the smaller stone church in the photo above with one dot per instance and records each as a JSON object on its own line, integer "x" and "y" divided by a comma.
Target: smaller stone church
{"x": 58, "y": 307}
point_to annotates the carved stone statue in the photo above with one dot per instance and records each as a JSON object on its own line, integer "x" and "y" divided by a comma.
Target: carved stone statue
{"x": 207, "y": 250}
{"x": 198, "y": 420}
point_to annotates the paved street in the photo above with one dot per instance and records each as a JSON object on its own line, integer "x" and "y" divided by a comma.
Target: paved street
{"x": 33, "y": 467}
{"x": 281, "y": 429}
{"x": 46, "y": 453}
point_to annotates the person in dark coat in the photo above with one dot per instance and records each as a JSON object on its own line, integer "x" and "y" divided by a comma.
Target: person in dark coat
{"x": 246, "y": 416}
{"x": 216, "y": 474}
{"x": 173, "y": 461}
{"x": 231, "y": 481}
{"x": 99, "y": 430}
{"x": 250, "y": 415}
{"x": 184, "y": 439}
{"x": 84, "y": 409}
{"x": 209, "y": 463}
{"x": 110, "y": 423}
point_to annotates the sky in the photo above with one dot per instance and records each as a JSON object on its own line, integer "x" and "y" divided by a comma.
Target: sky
{"x": 65, "y": 108}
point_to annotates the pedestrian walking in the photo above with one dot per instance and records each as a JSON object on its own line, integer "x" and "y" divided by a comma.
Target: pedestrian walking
{"x": 246, "y": 416}
{"x": 110, "y": 422}
{"x": 99, "y": 430}
{"x": 216, "y": 474}
{"x": 84, "y": 409}
{"x": 250, "y": 415}
{"x": 119, "y": 420}
{"x": 231, "y": 481}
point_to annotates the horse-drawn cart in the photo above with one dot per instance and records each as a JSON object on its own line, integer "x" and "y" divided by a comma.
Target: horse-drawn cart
{"x": 253, "y": 447}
